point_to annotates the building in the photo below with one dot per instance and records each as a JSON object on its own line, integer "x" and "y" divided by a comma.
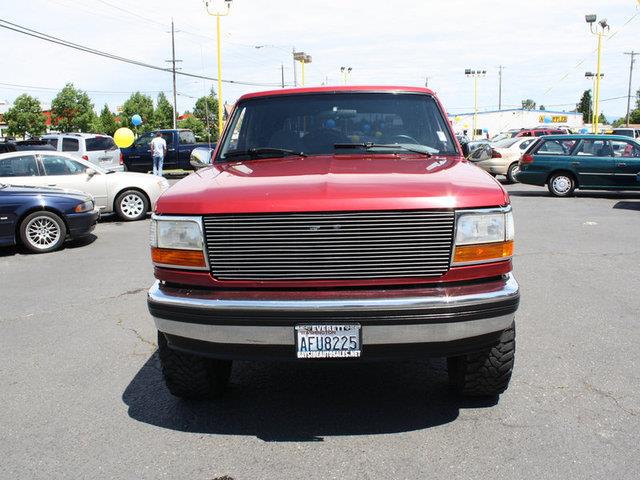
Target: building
{"x": 496, "y": 121}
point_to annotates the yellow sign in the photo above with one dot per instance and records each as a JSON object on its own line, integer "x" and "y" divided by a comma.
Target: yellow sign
{"x": 554, "y": 118}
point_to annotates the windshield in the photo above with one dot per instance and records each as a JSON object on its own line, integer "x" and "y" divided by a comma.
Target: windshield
{"x": 314, "y": 124}
{"x": 506, "y": 143}
{"x": 100, "y": 143}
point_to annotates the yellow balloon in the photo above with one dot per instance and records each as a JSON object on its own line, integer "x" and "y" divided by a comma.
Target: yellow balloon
{"x": 457, "y": 118}
{"x": 123, "y": 137}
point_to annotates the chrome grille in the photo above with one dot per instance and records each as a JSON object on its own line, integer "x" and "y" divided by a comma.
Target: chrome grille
{"x": 330, "y": 245}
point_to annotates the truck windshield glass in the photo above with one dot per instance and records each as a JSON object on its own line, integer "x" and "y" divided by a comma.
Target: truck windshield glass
{"x": 314, "y": 124}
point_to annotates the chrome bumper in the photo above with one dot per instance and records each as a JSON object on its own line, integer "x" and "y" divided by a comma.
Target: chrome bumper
{"x": 387, "y": 316}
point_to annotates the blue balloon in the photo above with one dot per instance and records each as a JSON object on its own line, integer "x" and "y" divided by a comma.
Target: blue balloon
{"x": 136, "y": 120}
{"x": 547, "y": 119}
{"x": 584, "y": 130}
{"x": 330, "y": 123}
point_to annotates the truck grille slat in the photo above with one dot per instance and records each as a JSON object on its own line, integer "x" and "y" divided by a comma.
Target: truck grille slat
{"x": 329, "y": 246}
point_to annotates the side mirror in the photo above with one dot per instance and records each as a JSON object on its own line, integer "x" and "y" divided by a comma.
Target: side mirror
{"x": 90, "y": 172}
{"x": 201, "y": 157}
{"x": 465, "y": 149}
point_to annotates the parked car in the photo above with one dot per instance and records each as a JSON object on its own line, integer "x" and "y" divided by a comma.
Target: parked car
{"x": 539, "y": 132}
{"x": 627, "y": 132}
{"x": 505, "y": 157}
{"x": 130, "y": 195}
{"x": 590, "y": 162}
{"x": 335, "y": 223}
{"x": 505, "y": 135}
{"x": 180, "y": 143}
{"x": 100, "y": 150}
{"x": 20, "y": 145}
{"x": 42, "y": 218}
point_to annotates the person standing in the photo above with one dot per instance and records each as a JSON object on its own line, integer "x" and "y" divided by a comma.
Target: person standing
{"x": 158, "y": 151}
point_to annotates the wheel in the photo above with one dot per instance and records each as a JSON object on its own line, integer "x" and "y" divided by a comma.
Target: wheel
{"x": 486, "y": 373}
{"x": 42, "y": 232}
{"x": 561, "y": 185}
{"x": 514, "y": 168}
{"x": 131, "y": 205}
{"x": 192, "y": 377}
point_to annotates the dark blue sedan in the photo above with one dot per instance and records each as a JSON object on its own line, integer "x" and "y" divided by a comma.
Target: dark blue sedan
{"x": 42, "y": 218}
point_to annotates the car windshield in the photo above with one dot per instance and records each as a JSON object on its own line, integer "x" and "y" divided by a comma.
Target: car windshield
{"x": 321, "y": 124}
{"x": 100, "y": 143}
{"x": 506, "y": 143}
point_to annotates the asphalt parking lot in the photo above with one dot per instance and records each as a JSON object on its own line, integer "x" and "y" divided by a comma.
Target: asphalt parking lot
{"x": 82, "y": 395}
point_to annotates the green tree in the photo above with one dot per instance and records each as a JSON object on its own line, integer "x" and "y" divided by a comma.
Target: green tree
{"x": 634, "y": 116}
{"x": 163, "y": 116}
{"x": 584, "y": 106}
{"x": 528, "y": 104}
{"x": 72, "y": 110}
{"x": 602, "y": 119}
{"x": 106, "y": 122}
{"x": 196, "y": 126}
{"x": 206, "y": 110}
{"x": 139, "y": 104}
{"x": 25, "y": 117}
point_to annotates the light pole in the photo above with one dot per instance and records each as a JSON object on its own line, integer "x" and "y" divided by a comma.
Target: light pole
{"x": 632, "y": 54}
{"x": 475, "y": 74}
{"x": 218, "y": 15}
{"x": 599, "y": 32}
{"x": 303, "y": 58}
{"x": 593, "y": 90}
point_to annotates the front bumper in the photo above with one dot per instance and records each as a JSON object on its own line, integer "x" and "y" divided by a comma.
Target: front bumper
{"x": 407, "y": 322}
{"x": 81, "y": 224}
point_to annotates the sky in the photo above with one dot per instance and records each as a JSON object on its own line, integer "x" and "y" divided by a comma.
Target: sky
{"x": 545, "y": 47}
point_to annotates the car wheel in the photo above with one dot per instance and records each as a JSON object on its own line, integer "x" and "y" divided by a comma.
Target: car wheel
{"x": 42, "y": 232}
{"x": 132, "y": 205}
{"x": 561, "y": 185}
{"x": 192, "y": 377}
{"x": 514, "y": 168}
{"x": 486, "y": 373}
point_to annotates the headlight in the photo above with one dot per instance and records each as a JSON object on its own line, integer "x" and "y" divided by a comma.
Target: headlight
{"x": 483, "y": 236}
{"x": 177, "y": 242}
{"x": 84, "y": 207}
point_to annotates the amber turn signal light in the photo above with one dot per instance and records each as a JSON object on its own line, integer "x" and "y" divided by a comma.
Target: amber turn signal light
{"x": 178, "y": 258}
{"x": 483, "y": 252}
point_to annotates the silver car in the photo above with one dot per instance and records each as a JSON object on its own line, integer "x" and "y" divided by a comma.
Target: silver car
{"x": 130, "y": 195}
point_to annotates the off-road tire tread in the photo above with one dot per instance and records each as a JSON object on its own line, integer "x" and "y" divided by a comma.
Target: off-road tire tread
{"x": 485, "y": 373}
{"x": 192, "y": 377}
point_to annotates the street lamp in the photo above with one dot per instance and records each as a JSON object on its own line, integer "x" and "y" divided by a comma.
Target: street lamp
{"x": 346, "y": 74}
{"x": 475, "y": 74}
{"x": 219, "y": 14}
{"x": 592, "y": 106}
{"x": 599, "y": 30}
{"x": 303, "y": 58}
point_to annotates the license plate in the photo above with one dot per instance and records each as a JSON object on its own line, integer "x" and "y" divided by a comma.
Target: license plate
{"x": 105, "y": 159}
{"x": 328, "y": 341}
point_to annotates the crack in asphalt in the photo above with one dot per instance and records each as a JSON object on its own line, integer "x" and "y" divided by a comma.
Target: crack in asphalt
{"x": 610, "y": 396}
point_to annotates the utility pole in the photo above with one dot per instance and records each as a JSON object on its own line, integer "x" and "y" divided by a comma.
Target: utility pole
{"x": 632, "y": 54}
{"x": 282, "y": 74}
{"x": 500, "y": 68}
{"x": 173, "y": 69}
{"x": 426, "y": 82}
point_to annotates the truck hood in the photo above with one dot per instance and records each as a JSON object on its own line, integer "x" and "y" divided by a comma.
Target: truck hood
{"x": 333, "y": 183}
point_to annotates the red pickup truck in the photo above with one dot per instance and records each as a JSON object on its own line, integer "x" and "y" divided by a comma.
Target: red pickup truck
{"x": 335, "y": 224}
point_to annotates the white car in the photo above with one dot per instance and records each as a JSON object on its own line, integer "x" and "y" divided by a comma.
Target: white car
{"x": 98, "y": 149}
{"x": 130, "y": 195}
{"x": 505, "y": 156}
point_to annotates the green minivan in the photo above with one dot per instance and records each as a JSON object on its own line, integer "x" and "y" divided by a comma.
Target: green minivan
{"x": 590, "y": 162}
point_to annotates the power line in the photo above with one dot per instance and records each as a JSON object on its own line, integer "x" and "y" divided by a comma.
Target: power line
{"x": 49, "y": 38}
{"x": 100, "y": 92}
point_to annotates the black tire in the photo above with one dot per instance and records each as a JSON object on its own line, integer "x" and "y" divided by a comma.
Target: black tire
{"x": 511, "y": 172}
{"x": 192, "y": 377}
{"x": 42, "y": 232}
{"x": 131, "y": 205}
{"x": 561, "y": 184}
{"x": 485, "y": 373}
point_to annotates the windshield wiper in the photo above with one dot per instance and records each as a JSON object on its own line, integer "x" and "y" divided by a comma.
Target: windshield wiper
{"x": 260, "y": 151}
{"x": 369, "y": 145}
